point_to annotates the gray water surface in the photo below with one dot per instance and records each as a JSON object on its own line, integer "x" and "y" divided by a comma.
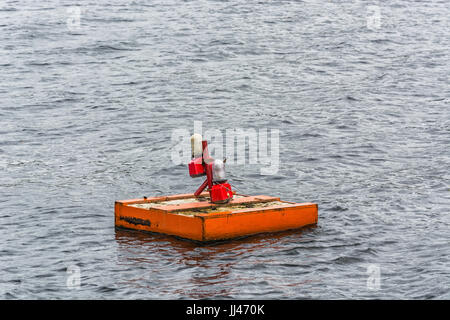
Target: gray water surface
{"x": 359, "y": 91}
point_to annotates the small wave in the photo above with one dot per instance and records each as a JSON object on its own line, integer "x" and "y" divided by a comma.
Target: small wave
{"x": 38, "y": 64}
{"x": 338, "y": 208}
{"x": 112, "y": 48}
{"x": 105, "y": 289}
{"x": 9, "y": 295}
{"x": 347, "y": 260}
{"x": 311, "y": 135}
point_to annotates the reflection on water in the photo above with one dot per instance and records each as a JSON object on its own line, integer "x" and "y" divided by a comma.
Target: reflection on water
{"x": 197, "y": 270}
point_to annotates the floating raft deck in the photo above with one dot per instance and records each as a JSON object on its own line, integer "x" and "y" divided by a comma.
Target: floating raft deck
{"x": 197, "y": 219}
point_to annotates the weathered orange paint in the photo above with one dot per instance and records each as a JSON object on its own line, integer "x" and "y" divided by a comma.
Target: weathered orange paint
{"x": 226, "y": 224}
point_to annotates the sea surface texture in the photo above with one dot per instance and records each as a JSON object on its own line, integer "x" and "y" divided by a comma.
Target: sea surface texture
{"x": 91, "y": 93}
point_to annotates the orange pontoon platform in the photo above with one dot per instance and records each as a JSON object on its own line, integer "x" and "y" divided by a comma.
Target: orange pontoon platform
{"x": 197, "y": 219}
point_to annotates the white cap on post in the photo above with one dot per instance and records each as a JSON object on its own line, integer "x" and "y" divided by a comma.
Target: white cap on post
{"x": 196, "y": 145}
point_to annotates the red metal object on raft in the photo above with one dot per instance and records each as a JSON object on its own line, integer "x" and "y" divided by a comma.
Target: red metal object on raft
{"x": 219, "y": 191}
{"x": 196, "y": 168}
